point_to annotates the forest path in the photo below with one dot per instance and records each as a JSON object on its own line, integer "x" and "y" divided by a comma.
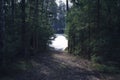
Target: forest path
{"x": 57, "y": 65}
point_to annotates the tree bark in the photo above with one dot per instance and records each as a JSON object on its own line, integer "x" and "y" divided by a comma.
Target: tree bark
{"x": 23, "y": 27}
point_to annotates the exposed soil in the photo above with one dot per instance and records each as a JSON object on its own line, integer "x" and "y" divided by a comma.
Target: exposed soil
{"x": 57, "y": 65}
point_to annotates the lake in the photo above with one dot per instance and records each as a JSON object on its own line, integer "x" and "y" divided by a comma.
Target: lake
{"x": 60, "y": 42}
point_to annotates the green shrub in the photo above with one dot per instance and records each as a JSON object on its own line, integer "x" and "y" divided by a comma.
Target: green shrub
{"x": 105, "y": 68}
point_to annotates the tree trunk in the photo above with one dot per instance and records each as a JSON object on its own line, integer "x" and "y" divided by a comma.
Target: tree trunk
{"x": 67, "y": 5}
{"x": 1, "y": 24}
{"x": 13, "y": 9}
{"x": 35, "y": 43}
{"x": 23, "y": 30}
{"x": 2, "y": 29}
{"x": 98, "y": 13}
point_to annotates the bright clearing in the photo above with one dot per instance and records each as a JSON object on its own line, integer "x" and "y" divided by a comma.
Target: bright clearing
{"x": 60, "y": 42}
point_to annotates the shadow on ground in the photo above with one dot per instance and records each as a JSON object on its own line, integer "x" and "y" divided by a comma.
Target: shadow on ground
{"x": 55, "y": 66}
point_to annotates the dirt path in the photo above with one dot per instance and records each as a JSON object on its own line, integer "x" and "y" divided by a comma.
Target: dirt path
{"x": 57, "y": 66}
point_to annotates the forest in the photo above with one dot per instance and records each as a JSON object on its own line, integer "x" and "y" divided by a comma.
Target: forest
{"x": 25, "y": 29}
{"x": 92, "y": 28}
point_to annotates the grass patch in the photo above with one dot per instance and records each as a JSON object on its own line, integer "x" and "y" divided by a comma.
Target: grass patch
{"x": 105, "y": 69}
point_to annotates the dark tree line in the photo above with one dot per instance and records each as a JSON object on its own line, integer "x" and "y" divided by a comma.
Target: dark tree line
{"x": 25, "y": 29}
{"x": 58, "y": 18}
{"x": 94, "y": 31}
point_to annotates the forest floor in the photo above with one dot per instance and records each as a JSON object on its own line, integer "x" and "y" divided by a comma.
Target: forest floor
{"x": 58, "y": 65}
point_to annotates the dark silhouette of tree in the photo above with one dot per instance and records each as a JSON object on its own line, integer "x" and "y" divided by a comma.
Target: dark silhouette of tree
{"x": 67, "y": 5}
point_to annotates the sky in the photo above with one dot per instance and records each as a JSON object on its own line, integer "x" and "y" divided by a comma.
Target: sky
{"x": 57, "y": 1}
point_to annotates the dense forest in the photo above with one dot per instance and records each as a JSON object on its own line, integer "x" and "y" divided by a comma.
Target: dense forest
{"x": 58, "y": 21}
{"x": 93, "y": 30}
{"x": 25, "y": 29}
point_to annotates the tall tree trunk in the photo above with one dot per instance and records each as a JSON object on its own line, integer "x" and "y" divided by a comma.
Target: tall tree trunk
{"x": 98, "y": 36}
{"x": 2, "y": 29}
{"x": 35, "y": 27}
{"x": 23, "y": 27}
{"x": 67, "y": 5}
{"x": 1, "y": 24}
{"x": 69, "y": 34}
{"x": 98, "y": 13}
{"x": 13, "y": 7}
{"x": 89, "y": 32}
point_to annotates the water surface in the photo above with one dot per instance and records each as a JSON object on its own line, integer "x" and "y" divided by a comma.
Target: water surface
{"x": 60, "y": 42}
